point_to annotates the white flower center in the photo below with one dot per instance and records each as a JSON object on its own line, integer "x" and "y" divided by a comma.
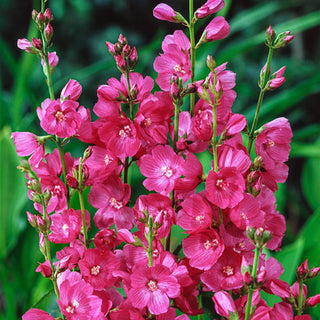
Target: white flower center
{"x": 152, "y": 286}
{"x": 95, "y": 270}
{"x": 116, "y": 204}
{"x": 166, "y": 171}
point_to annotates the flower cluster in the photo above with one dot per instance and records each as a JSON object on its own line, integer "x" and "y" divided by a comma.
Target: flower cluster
{"x": 228, "y": 214}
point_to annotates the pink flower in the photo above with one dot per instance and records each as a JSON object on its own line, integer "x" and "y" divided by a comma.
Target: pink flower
{"x": 225, "y": 188}
{"x": 217, "y": 29}
{"x": 65, "y": 226}
{"x": 28, "y": 144}
{"x": 211, "y": 6}
{"x": 161, "y": 168}
{"x": 77, "y": 301}
{"x": 203, "y": 249}
{"x": 25, "y": 44}
{"x": 111, "y": 198}
{"x": 164, "y": 12}
{"x": 174, "y": 61}
{"x": 59, "y": 118}
{"x": 223, "y": 303}
{"x": 120, "y": 136}
{"x": 53, "y": 61}
{"x": 273, "y": 143}
{"x": 96, "y": 268}
{"x": 152, "y": 287}
{"x": 195, "y": 215}
{"x": 36, "y": 314}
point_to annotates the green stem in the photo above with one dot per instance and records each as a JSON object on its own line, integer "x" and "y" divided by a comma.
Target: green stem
{"x": 260, "y": 99}
{"x": 64, "y": 168}
{"x": 300, "y": 301}
{"x": 82, "y": 207}
{"x": 254, "y": 274}
{"x": 214, "y": 138}
{"x": 131, "y": 104}
{"x": 193, "y": 54}
{"x": 150, "y": 238}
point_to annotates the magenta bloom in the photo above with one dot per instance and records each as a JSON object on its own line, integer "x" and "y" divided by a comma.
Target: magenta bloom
{"x": 161, "y": 168}
{"x": 27, "y": 144}
{"x": 77, "y": 301}
{"x": 36, "y": 314}
{"x": 273, "y": 143}
{"x": 174, "y": 61}
{"x": 152, "y": 287}
{"x": 211, "y": 6}
{"x": 96, "y": 268}
{"x": 225, "y": 188}
{"x": 164, "y": 12}
{"x": 203, "y": 249}
{"x": 59, "y": 118}
{"x": 71, "y": 91}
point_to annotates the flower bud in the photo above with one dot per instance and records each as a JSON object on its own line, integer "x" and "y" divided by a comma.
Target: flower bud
{"x": 133, "y": 57}
{"x": 313, "y": 301}
{"x": 34, "y": 185}
{"x": 34, "y": 15}
{"x": 313, "y": 272}
{"x": 48, "y": 17}
{"x": 42, "y": 244}
{"x": 164, "y": 12}
{"x": 48, "y": 32}
{"x": 224, "y": 303}
{"x": 37, "y": 43}
{"x": 40, "y": 19}
{"x": 42, "y": 224}
{"x": 302, "y": 271}
{"x": 45, "y": 269}
{"x": 270, "y": 35}
{"x": 87, "y": 153}
{"x": 71, "y": 91}
{"x": 35, "y": 197}
{"x": 211, "y": 63}
{"x": 261, "y": 277}
{"x": 250, "y": 232}
{"x": 257, "y": 163}
{"x": 247, "y": 278}
{"x": 32, "y": 219}
{"x": 24, "y": 166}
{"x": 283, "y": 39}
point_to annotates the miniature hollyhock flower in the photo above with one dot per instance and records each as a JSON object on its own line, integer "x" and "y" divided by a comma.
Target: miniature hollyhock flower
{"x": 77, "y": 301}
{"x": 203, "y": 249}
{"x": 225, "y": 188}
{"x": 37, "y": 314}
{"x": 28, "y": 144}
{"x": 161, "y": 168}
{"x": 96, "y": 268}
{"x": 120, "y": 136}
{"x": 111, "y": 198}
{"x": 45, "y": 269}
{"x": 174, "y": 61}
{"x": 59, "y": 118}
{"x": 25, "y": 44}
{"x": 273, "y": 143}
{"x": 65, "y": 226}
{"x": 71, "y": 91}
{"x": 195, "y": 215}
{"x": 152, "y": 287}
{"x": 211, "y": 6}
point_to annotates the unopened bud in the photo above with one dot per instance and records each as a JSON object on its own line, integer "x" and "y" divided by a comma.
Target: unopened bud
{"x": 133, "y": 57}
{"x": 34, "y": 15}
{"x": 34, "y": 185}
{"x": 313, "y": 272}
{"x": 257, "y": 163}
{"x": 270, "y": 35}
{"x": 87, "y": 153}
{"x": 48, "y": 17}
{"x": 211, "y": 63}
{"x": 261, "y": 277}
{"x": 247, "y": 278}
{"x": 42, "y": 225}
{"x": 302, "y": 271}
{"x": 35, "y": 197}
{"x": 283, "y": 39}
{"x": 250, "y": 231}
{"x": 24, "y": 166}
{"x": 37, "y": 43}
{"x": 40, "y": 19}
{"x": 47, "y": 195}
{"x": 72, "y": 181}
{"x": 134, "y": 90}
{"x": 42, "y": 244}
{"x": 32, "y": 219}
{"x": 218, "y": 91}
{"x": 48, "y": 32}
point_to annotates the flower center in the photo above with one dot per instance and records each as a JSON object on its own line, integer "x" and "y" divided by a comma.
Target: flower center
{"x": 147, "y": 122}
{"x": 228, "y": 270}
{"x": 270, "y": 143}
{"x": 65, "y": 227}
{"x": 71, "y": 309}
{"x": 243, "y": 216}
{"x": 209, "y": 244}
{"x": 166, "y": 171}
{"x": 200, "y": 219}
{"x": 60, "y": 116}
{"x": 107, "y": 159}
{"x": 95, "y": 270}
{"x": 116, "y": 204}
{"x": 221, "y": 184}
{"x": 125, "y": 131}
{"x": 178, "y": 69}
{"x": 152, "y": 286}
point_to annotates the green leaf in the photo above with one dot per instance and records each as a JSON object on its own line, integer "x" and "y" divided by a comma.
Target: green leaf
{"x": 13, "y": 195}
{"x": 311, "y": 177}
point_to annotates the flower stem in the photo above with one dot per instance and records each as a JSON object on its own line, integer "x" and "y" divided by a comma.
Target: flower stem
{"x": 254, "y": 274}
{"x": 82, "y": 208}
{"x": 150, "y": 238}
{"x": 260, "y": 99}
{"x": 64, "y": 168}
{"x": 193, "y": 54}
{"x": 300, "y": 301}
{"x": 131, "y": 104}
{"x": 177, "y": 105}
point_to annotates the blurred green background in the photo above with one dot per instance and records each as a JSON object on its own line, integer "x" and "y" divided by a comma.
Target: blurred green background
{"x": 81, "y": 28}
